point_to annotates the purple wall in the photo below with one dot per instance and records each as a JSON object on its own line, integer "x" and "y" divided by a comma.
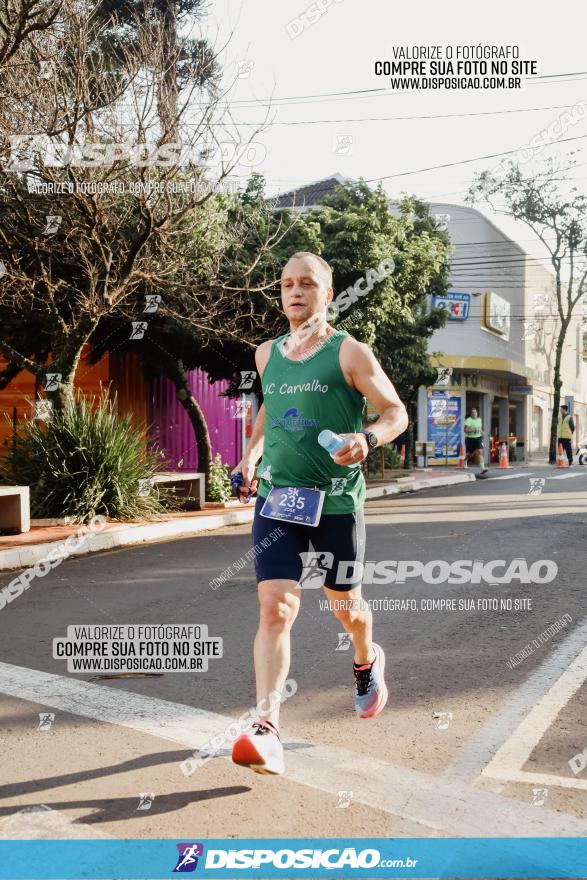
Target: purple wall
{"x": 171, "y": 428}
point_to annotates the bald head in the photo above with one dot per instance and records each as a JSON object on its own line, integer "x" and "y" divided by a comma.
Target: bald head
{"x": 315, "y": 259}
{"x": 306, "y": 287}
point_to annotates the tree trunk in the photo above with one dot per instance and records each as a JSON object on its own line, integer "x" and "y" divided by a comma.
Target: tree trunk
{"x": 168, "y": 92}
{"x": 66, "y": 358}
{"x": 557, "y": 384}
{"x": 196, "y": 417}
{"x": 63, "y": 392}
{"x": 410, "y": 457}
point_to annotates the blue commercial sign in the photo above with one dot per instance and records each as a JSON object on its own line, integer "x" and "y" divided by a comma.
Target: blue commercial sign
{"x": 456, "y": 304}
{"x": 444, "y": 424}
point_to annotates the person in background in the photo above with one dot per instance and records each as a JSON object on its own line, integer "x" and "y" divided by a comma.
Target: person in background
{"x": 566, "y": 429}
{"x": 474, "y": 440}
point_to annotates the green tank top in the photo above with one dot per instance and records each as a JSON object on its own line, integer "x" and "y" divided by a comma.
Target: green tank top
{"x": 301, "y": 399}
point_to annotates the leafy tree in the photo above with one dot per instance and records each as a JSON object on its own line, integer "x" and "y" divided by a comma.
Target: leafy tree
{"x": 110, "y": 246}
{"x": 359, "y": 231}
{"x": 355, "y": 230}
{"x": 236, "y": 278}
{"x": 187, "y": 60}
{"x": 402, "y": 346}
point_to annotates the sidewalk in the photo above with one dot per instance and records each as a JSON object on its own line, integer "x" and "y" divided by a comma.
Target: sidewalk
{"x": 24, "y": 551}
{"x": 420, "y": 479}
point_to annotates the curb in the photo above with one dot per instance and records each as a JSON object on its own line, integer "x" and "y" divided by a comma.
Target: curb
{"x": 410, "y": 484}
{"x": 124, "y": 536}
{"x": 130, "y": 535}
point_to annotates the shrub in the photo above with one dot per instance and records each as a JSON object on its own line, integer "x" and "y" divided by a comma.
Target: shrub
{"x": 393, "y": 459}
{"x": 86, "y": 460}
{"x": 219, "y": 487}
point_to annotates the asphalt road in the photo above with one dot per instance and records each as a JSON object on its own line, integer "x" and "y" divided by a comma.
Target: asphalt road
{"x": 486, "y": 711}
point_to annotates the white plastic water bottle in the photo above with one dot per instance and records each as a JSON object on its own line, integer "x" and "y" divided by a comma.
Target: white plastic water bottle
{"x": 331, "y": 441}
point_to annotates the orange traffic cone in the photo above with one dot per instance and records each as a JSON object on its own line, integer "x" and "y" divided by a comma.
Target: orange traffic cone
{"x": 462, "y": 462}
{"x": 504, "y": 460}
{"x": 561, "y": 458}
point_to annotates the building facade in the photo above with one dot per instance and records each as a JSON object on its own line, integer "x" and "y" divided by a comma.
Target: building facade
{"x": 496, "y": 351}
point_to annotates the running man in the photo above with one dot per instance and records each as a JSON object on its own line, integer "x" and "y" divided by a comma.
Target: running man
{"x": 474, "y": 440}
{"x": 313, "y": 378}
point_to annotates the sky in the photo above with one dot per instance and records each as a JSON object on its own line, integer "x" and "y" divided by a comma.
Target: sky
{"x": 308, "y": 138}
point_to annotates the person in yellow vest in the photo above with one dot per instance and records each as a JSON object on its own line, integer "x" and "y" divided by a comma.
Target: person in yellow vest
{"x": 566, "y": 429}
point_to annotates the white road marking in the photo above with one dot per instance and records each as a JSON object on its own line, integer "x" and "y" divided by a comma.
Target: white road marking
{"x": 512, "y": 476}
{"x": 441, "y": 804}
{"x": 517, "y": 749}
{"x": 530, "y": 778}
{"x": 41, "y": 822}
{"x": 570, "y": 476}
{"x": 517, "y": 476}
{"x": 476, "y": 757}
{"x": 172, "y": 721}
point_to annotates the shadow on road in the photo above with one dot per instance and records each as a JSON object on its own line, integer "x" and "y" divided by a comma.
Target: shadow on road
{"x": 115, "y": 809}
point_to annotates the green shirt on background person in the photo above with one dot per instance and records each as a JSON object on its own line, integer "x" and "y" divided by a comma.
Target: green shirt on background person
{"x": 475, "y": 428}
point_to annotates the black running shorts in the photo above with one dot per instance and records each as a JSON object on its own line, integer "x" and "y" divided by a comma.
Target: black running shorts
{"x": 472, "y": 444}
{"x": 315, "y": 557}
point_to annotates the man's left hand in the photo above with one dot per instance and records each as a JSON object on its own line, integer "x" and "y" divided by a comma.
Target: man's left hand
{"x": 356, "y": 449}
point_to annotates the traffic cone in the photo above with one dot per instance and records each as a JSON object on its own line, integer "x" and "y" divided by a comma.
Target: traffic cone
{"x": 402, "y": 454}
{"x": 504, "y": 461}
{"x": 561, "y": 458}
{"x": 462, "y": 462}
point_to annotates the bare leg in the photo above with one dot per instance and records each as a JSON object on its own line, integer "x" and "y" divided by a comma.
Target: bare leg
{"x": 357, "y": 619}
{"x": 279, "y": 602}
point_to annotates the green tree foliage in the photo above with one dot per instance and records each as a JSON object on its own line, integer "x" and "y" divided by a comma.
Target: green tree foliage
{"x": 358, "y": 231}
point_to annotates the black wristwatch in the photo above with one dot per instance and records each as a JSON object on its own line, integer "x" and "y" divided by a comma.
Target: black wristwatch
{"x": 371, "y": 438}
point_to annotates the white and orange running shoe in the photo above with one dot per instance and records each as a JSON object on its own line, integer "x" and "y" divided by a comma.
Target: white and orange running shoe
{"x": 261, "y": 751}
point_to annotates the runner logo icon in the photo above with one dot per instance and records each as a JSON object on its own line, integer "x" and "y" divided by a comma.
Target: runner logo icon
{"x": 187, "y": 860}
{"x": 315, "y": 568}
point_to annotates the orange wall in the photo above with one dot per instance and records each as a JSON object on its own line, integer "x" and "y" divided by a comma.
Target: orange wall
{"x": 89, "y": 379}
{"x": 120, "y": 373}
{"x": 129, "y": 385}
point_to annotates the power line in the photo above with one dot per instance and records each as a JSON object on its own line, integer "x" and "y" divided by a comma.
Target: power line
{"x": 489, "y": 243}
{"x": 400, "y": 118}
{"x": 303, "y": 182}
{"x": 467, "y": 161}
{"x": 376, "y": 92}
{"x": 502, "y": 261}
